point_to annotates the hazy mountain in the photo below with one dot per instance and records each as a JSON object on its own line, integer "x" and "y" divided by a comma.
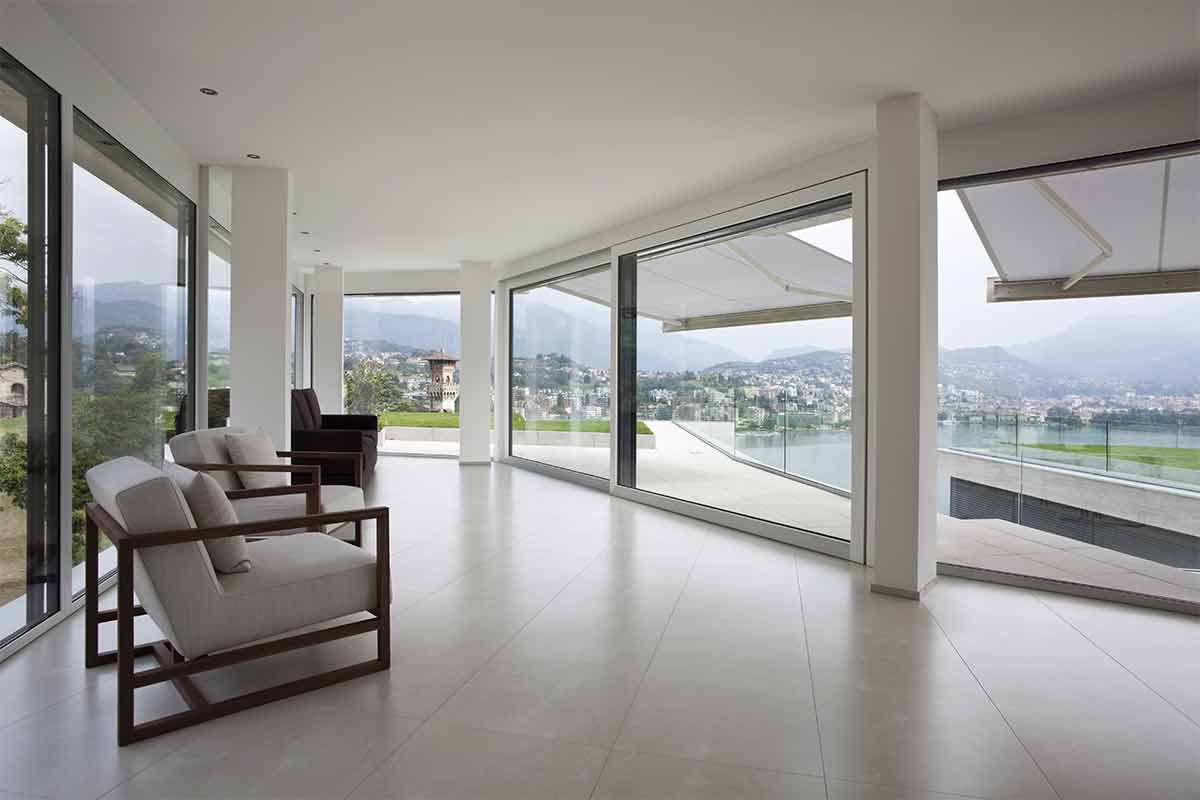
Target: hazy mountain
{"x": 546, "y": 329}
{"x": 1156, "y": 354}
{"x": 799, "y": 350}
{"x": 413, "y": 330}
{"x": 997, "y": 373}
{"x": 791, "y": 364}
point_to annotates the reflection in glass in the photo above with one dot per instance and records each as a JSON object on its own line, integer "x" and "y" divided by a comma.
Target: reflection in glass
{"x": 132, "y": 256}
{"x": 560, "y": 381}
{"x": 29, "y": 562}
{"x": 1069, "y": 428}
{"x": 220, "y": 288}
{"x": 744, "y": 369}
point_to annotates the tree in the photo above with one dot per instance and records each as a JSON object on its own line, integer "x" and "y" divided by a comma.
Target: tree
{"x": 371, "y": 389}
{"x": 14, "y": 301}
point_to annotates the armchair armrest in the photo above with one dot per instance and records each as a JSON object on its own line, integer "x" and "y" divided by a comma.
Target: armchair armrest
{"x": 118, "y": 535}
{"x": 353, "y": 422}
{"x": 312, "y": 487}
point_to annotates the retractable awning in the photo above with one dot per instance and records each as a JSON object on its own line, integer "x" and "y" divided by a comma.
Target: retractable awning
{"x": 1128, "y": 229}
{"x": 798, "y": 270}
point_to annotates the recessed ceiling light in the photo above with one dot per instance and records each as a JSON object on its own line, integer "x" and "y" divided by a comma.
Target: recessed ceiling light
{"x": 255, "y": 156}
{"x": 208, "y": 91}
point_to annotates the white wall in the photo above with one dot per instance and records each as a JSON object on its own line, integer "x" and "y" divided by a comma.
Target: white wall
{"x": 1115, "y": 125}
{"x": 259, "y": 337}
{"x": 903, "y": 346}
{"x": 475, "y": 305}
{"x": 328, "y": 348}
{"x": 33, "y": 37}
{"x": 403, "y": 281}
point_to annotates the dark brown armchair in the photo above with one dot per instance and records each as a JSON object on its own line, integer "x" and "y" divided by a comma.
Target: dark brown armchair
{"x": 345, "y": 433}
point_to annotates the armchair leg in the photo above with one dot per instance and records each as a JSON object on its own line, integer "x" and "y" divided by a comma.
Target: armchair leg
{"x": 358, "y": 534}
{"x": 91, "y": 599}
{"x": 125, "y": 648}
{"x": 383, "y": 591}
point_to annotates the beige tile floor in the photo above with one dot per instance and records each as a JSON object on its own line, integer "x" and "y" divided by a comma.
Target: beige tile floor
{"x": 550, "y": 641}
{"x": 683, "y": 466}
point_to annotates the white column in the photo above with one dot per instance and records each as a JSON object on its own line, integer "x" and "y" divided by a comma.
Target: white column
{"x": 904, "y": 318}
{"x": 328, "y": 339}
{"x": 259, "y": 301}
{"x": 474, "y": 374}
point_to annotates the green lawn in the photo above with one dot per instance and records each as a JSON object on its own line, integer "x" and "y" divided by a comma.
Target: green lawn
{"x": 1181, "y": 457}
{"x": 433, "y": 419}
{"x": 418, "y": 419}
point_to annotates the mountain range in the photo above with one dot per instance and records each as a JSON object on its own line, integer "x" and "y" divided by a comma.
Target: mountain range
{"x": 1159, "y": 354}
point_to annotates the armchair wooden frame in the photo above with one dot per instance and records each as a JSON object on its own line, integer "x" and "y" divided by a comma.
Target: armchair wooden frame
{"x": 173, "y": 666}
{"x": 313, "y": 471}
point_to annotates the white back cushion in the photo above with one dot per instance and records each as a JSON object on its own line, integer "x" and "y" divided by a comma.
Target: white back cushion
{"x": 211, "y": 509}
{"x": 255, "y": 448}
{"x": 207, "y": 447}
{"x": 175, "y": 583}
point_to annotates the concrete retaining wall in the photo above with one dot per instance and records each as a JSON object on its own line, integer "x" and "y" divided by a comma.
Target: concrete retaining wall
{"x": 1160, "y": 506}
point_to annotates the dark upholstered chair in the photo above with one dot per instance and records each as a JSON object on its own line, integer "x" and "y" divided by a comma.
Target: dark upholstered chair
{"x": 346, "y": 433}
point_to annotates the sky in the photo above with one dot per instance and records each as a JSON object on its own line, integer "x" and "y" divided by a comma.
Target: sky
{"x": 117, "y": 239}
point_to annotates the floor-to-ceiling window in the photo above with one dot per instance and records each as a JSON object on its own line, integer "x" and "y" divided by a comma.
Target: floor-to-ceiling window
{"x": 1069, "y": 380}
{"x": 220, "y": 287}
{"x": 737, "y": 349}
{"x": 401, "y": 363}
{"x": 29, "y": 348}
{"x": 560, "y": 372}
{"x": 296, "y": 320}
{"x": 133, "y": 239}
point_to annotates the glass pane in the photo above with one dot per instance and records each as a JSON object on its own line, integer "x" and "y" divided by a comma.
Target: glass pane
{"x": 220, "y": 288}
{"x": 561, "y": 388}
{"x": 131, "y": 266}
{"x": 1069, "y": 428}
{"x": 401, "y": 363}
{"x": 297, "y": 322}
{"x": 744, "y": 369}
{"x": 29, "y": 562}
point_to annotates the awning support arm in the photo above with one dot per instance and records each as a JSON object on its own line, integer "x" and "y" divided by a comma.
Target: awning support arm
{"x": 751, "y": 262}
{"x": 1073, "y": 216}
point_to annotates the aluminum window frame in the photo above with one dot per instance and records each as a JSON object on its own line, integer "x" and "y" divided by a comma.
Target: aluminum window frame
{"x": 556, "y": 273}
{"x": 853, "y": 185}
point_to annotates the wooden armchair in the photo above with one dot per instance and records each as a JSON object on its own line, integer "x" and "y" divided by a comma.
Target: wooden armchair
{"x": 206, "y": 451}
{"x": 212, "y": 620}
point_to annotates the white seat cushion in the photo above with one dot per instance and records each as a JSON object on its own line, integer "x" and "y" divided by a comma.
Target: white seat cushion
{"x": 297, "y": 581}
{"x": 333, "y": 498}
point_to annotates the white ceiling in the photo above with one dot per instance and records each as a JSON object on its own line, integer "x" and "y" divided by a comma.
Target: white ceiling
{"x": 421, "y": 133}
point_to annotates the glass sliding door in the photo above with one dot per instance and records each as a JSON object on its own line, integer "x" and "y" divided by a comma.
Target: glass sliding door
{"x": 296, "y": 369}
{"x": 401, "y": 364}
{"x": 560, "y": 372}
{"x": 1069, "y": 390}
{"x": 220, "y": 291}
{"x": 29, "y": 349}
{"x": 737, "y": 353}
{"x": 133, "y": 256}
